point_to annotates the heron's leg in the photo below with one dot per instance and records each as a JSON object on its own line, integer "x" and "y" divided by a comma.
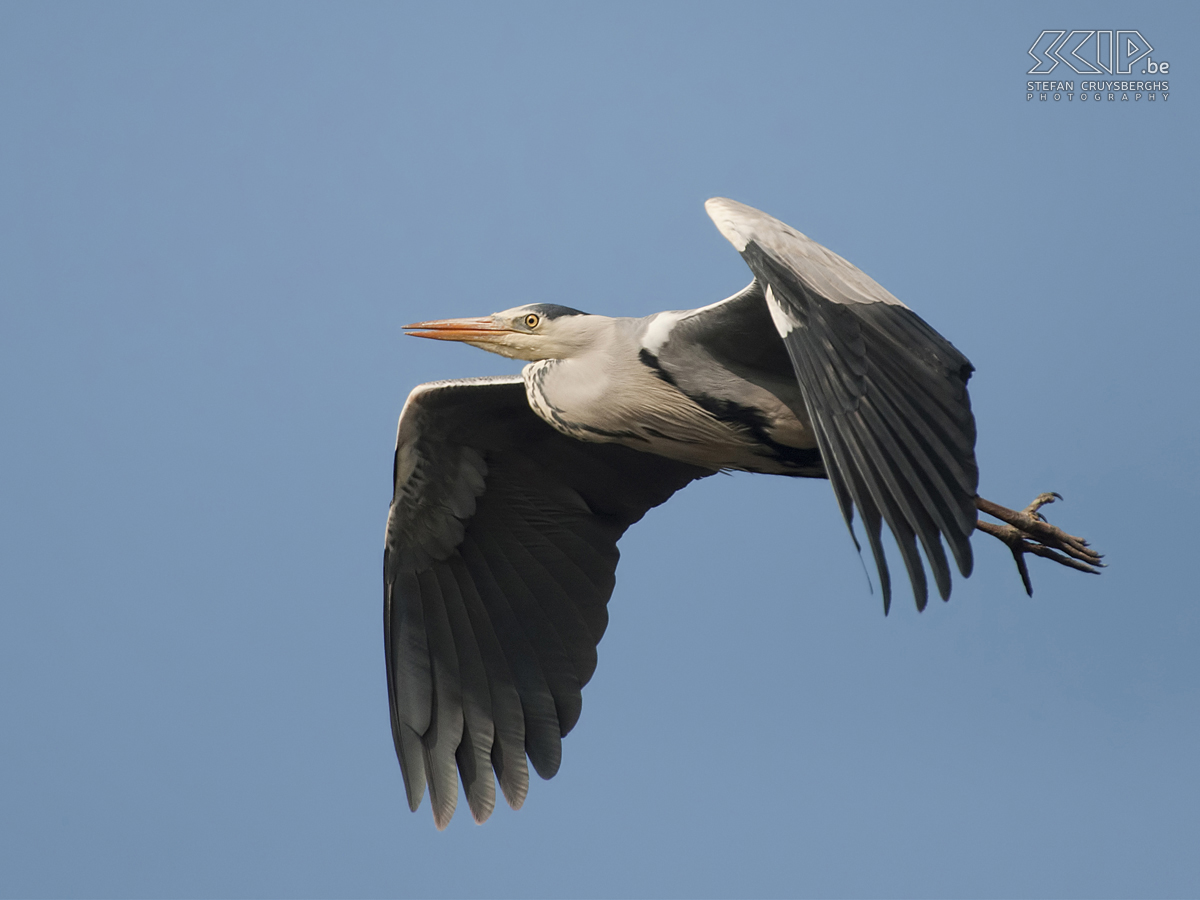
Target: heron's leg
{"x": 1028, "y": 531}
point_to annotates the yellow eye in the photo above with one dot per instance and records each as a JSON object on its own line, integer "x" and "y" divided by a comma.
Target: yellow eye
{"x": 531, "y": 321}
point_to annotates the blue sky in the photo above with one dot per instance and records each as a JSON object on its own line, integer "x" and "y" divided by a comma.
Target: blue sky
{"x": 214, "y": 219}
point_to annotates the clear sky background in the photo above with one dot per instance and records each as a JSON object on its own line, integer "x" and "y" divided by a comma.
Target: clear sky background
{"x": 214, "y": 219}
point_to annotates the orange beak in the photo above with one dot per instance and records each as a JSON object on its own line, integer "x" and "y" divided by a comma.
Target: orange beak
{"x": 457, "y": 329}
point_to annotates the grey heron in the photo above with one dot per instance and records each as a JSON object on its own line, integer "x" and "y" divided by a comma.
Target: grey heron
{"x": 510, "y": 493}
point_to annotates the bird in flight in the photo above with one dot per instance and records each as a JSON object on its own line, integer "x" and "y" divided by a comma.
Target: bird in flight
{"x": 510, "y": 493}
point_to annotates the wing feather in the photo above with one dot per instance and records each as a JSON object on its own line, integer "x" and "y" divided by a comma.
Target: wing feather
{"x": 498, "y": 564}
{"x": 508, "y": 718}
{"x": 474, "y": 751}
{"x": 440, "y": 741}
{"x": 519, "y": 587}
{"x": 886, "y": 395}
{"x": 410, "y": 682}
{"x": 554, "y": 600}
{"x": 537, "y": 702}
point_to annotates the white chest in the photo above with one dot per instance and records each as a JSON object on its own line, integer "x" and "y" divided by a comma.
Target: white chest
{"x": 591, "y": 401}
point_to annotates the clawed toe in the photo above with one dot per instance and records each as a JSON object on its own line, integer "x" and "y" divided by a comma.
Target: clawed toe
{"x": 1027, "y": 531}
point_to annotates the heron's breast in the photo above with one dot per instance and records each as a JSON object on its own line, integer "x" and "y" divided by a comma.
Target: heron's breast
{"x": 579, "y": 398}
{"x": 634, "y": 408}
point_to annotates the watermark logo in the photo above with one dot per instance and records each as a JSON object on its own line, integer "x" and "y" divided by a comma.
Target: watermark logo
{"x": 1094, "y": 53}
{"x": 1117, "y": 54}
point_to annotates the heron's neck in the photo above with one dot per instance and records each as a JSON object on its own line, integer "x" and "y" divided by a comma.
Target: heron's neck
{"x": 568, "y": 393}
{"x": 575, "y": 393}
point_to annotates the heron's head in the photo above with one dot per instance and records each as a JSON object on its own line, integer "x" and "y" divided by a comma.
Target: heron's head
{"x": 533, "y": 332}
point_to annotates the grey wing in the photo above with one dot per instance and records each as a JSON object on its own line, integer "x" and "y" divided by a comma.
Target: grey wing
{"x": 886, "y": 395}
{"x": 499, "y": 561}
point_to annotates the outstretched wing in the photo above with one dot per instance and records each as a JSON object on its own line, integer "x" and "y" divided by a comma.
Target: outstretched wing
{"x": 498, "y": 564}
{"x": 886, "y": 394}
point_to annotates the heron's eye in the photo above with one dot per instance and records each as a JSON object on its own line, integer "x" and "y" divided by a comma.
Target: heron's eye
{"x": 531, "y": 321}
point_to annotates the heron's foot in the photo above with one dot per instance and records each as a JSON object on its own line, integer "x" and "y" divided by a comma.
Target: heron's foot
{"x": 1028, "y": 531}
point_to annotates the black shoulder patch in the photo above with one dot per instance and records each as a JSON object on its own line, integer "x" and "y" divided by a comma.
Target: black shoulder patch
{"x": 650, "y": 361}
